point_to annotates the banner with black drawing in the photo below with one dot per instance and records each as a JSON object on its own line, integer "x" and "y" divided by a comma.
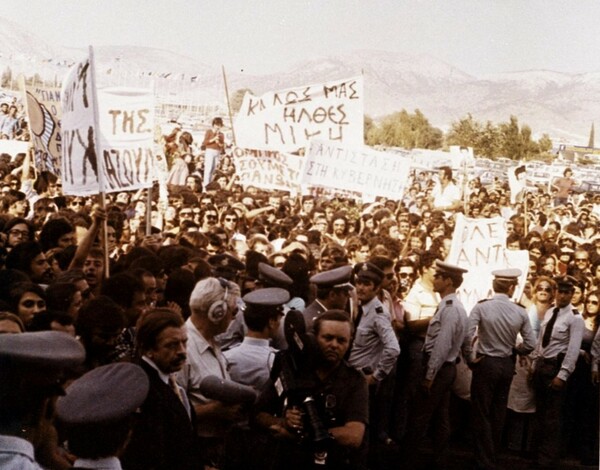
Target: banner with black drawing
{"x": 110, "y": 148}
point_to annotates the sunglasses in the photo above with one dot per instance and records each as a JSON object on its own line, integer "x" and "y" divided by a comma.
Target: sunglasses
{"x": 593, "y": 302}
{"x": 543, "y": 289}
{"x": 78, "y": 203}
{"x": 404, "y": 275}
{"x": 211, "y": 217}
{"x": 231, "y": 219}
{"x": 577, "y": 260}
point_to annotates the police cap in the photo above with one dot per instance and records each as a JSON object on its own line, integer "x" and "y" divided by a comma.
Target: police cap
{"x": 226, "y": 265}
{"x": 267, "y": 297}
{"x": 272, "y": 276}
{"x": 368, "y": 272}
{"x": 566, "y": 282}
{"x": 509, "y": 274}
{"x": 338, "y": 278}
{"x": 449, "y": 269}
{"x": 104, "y": 395}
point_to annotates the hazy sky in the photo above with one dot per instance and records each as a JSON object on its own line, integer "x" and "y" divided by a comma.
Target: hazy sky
{"x": 477, "y": 36}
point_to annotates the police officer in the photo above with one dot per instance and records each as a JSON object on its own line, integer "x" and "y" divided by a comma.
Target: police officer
{"x": 375, "y": 348}
{"x": 443, "y": 340}
{"x": 268, "y": 276}
{"x": 556, "y": 354}
{"x": 250, "y": 362}
{"x": 333, "y": 292}
{"x": 98, "y": 413}
{"x": 496, "y": 322}
{"x": 32, "y": 367}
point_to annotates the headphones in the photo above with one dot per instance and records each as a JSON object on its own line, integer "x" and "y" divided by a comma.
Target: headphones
{"x": 218, "y": 309}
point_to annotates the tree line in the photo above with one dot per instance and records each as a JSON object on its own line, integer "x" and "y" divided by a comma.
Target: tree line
{"x": 506, "y": 139}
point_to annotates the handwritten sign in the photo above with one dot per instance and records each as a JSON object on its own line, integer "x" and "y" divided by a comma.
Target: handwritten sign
{"x": 268, "y": 169}
{"x": 79, "y": 166}
{"x": 479, "y": 245}
{"x": 286, "y": 120}
{"x": 126, "y": 122}
{"x": 355, "y": 169}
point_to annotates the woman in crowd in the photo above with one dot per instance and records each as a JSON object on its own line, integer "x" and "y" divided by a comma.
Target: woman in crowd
{"x": 27, "y": 300}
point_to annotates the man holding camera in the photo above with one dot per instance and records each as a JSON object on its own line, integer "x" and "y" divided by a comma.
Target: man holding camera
{"x": 334, "y": 436}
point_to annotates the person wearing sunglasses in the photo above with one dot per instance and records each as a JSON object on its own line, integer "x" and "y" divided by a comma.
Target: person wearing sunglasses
{"x": 556, "y": 355}
{"x": 543, "y": 296}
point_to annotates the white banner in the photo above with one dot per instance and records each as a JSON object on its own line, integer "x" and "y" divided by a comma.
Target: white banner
{"x": 479, "y": 245}
{"x": 286, "y": 120}
{"x": 355, "y": 169}
{"x": 268, "y": 169}
{"x": 79, "y": 166}
{"x": 126, "y": 120}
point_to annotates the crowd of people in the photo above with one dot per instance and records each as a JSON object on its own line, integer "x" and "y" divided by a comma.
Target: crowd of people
{"x": 332, "y": 327}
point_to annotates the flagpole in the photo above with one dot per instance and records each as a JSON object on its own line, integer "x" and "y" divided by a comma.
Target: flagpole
{"x": 228, "y": 105}
{"x": 99, "y": 166}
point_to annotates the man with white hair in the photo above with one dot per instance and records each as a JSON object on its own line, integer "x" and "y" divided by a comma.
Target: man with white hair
{"x": 213, "y": 304}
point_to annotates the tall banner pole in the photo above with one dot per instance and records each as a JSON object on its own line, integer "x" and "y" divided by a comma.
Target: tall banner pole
{"x": 98, "y": 150}
{"x": 228, "y": 105}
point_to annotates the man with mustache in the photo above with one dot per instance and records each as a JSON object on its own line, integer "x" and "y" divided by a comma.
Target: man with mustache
{"x": 164, "y": 436}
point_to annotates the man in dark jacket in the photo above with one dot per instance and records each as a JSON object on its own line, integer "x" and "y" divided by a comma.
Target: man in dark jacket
{"x": 164, "y": 436}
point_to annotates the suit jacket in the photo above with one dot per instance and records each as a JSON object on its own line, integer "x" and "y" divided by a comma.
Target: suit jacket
{"x": 164, "y": 437}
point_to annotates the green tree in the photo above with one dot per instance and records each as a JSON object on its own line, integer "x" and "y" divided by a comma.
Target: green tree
{"x": 545, "y": 143}
{"x": 465, "y": 132}
{"x": 406, "y": 130}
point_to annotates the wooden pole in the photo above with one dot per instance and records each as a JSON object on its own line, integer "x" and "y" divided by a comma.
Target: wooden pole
{"x": 228, "y": 105}
{"x": 102, "y": 197}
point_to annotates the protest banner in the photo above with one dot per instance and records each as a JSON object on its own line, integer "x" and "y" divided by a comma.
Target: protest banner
{"x": 286, "y": 120}
{"x": 479, "y": 245}
{"x": 79, "y": 165}
{"x": 432, "y": 160}
{"x": 13, "y": 147}
{"x": 268, "y": 169}
{"x": 126, "y": 138}
{"x": 44, "y": 111}
{"x": 359, "y": 169}
{"x": 107, "y": 135}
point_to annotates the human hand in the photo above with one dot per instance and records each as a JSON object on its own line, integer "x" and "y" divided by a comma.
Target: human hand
{"x": 557, "y": 384}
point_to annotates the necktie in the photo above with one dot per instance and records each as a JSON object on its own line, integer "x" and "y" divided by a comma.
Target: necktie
{"x": 549, "y": 327}
{"x": 175, "y": 388}
{"x": 358, "y": 317}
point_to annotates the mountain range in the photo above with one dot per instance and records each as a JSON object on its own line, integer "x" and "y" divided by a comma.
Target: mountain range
{"x": 560, "y": 104}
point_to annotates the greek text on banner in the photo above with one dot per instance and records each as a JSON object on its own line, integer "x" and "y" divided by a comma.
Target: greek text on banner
{"x": 359, "y": 169}
{"x": 286, "y": 120}
{"x": 268, "y": 169}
